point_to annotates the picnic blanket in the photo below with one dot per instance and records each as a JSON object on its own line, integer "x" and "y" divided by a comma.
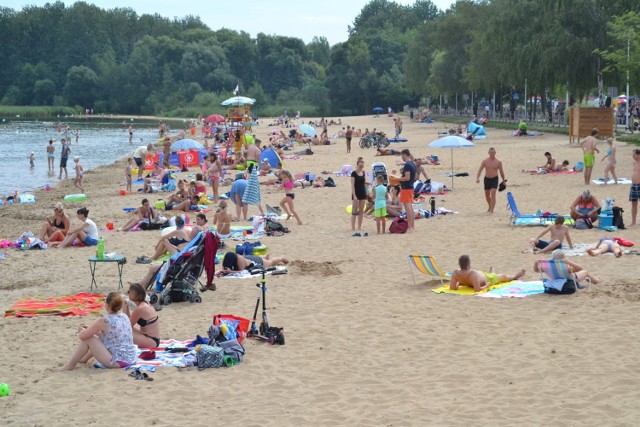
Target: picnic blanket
{"x": 543, "y": 220}
{"x": 600, "y": 181}
{"x": 515, "y": 290}
{"x": 244, "y": 274}
{"x": 81, "y": 304}
{"x": 466, "y": 290}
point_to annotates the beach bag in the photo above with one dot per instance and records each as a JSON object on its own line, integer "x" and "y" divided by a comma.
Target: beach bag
{"x": 272, "y": 226}
{"x": 209, "y": 356}
{"x": 145, "y": 225}
{"x": 329, "y": 182}
{"x": 239, "y": 325}
{"x": 399, "y": 226}
{"x": 583, "y": 224}
{"x": 617, "y": 218}
{"x": 551, "y": 287}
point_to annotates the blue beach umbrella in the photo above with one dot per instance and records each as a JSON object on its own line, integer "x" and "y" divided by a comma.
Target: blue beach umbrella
{"x": 378, "y": 109}
{"x": 187, "y": 144}
{"x": 451, "y": 142}
{"x": 307, "y": 129}
{"x": 238, "y": 101}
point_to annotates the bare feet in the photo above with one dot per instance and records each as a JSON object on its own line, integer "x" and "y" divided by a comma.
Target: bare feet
{"x": 590, "y": 252}
{"x": 519, "y": 274}
{"x": 618, "y": 254}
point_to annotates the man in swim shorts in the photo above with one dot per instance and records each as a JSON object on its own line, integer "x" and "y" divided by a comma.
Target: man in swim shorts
{"x": 634, "y": 194}
{"x": 476, "y": 279}
{"x": 139, "y": 156}
{"x": 406, "y": 186}
{"x": 589, "y": 149}
{"x": 492, "y": 167}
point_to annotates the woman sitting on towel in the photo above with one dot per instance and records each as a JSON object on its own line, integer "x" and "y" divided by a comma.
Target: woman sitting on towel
{"x": 145, "y": 316}
{"x": 144, "y": 213}
{"x": 394, "y": 208}
{"x": 172, "y": 242}
{"x": 86, "y": 232}
{"x": 109, "y": 339}
{"x": 233, "y": 262}
{"x": 55, "y": 228}
{"x": 180, "y": 195}
{"x": 222, "y": 220}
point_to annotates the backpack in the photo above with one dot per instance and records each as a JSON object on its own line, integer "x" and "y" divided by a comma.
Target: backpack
{"x": 617, "y": 218}
{"x": 583, "y": 223}
{"x": 272, "y": 226}
{"x": 209, "y": 356}
{"x": 399, "y": 226}
{"x": 329, "y": 182}
{"x": 568, "y": 288}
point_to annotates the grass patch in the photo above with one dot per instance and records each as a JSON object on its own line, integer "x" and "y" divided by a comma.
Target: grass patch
{"x": 630, "y": 139}
{"x": 37, "y": 112}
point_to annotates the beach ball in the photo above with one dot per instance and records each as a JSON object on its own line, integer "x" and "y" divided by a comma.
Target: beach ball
{"x": 122, "y": 192}
{"x": 349, "y": 209}
{"x": 4, "y": 389}
{"x": 10, "y": 201}
{"x": 47, "y": 187}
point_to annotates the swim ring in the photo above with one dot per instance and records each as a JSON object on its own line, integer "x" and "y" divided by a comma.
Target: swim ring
{"x": 75, "y": 197}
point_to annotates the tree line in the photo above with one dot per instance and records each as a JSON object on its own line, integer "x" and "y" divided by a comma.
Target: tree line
{"x": 117, "y": 61}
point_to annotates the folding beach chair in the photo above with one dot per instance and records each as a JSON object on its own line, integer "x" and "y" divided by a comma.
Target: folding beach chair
{"x": 515, "y": 213}
{"x": 557, "y": 272}
{"x": 426, "y": 265}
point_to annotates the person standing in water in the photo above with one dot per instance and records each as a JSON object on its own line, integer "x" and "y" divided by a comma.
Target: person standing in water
{"x": 51, "y": 149}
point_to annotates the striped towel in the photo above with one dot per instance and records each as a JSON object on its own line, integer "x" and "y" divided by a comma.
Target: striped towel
{"x": 81, "y": 304}
{"x": 251, "y": 195}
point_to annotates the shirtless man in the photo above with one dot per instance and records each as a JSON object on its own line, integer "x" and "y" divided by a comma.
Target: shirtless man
{"x": 477, "y": 279}
{"x": 558, "y": 232}
{"x": 589, "y": 149}
{"x": 634, "y": 194}
{"x": 492, "y": 167}
{"x": 253, "y": 155}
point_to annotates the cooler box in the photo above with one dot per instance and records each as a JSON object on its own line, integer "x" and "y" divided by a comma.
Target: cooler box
{"x": 605, "y": 221}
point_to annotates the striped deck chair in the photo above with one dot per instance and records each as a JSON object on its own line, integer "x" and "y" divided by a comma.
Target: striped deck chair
{"x": 557, "y": 272}
{"x": 426, "y": 265}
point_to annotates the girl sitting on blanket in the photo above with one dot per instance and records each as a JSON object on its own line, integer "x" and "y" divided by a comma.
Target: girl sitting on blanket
{"x": 109, "y": 339}
{"x": 222, "y": 220}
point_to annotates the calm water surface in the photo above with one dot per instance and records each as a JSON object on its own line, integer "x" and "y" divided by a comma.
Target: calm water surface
{"x": 101, "y": 142}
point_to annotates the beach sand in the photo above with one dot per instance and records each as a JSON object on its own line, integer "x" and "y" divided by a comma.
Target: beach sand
{"x": 364, "y": 344}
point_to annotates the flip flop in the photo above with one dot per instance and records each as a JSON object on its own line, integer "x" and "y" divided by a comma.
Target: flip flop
{"x": 356, "y": 235}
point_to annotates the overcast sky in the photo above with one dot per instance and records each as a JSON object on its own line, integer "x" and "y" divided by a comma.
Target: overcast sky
{"x": 296, "y": 18}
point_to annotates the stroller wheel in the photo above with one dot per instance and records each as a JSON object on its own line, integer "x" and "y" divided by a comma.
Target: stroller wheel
{"x": 280, "y": 338}
{"x": 166, "y": 300}
{"x": 153, "y": 299}
{"x": 196, "y": 299}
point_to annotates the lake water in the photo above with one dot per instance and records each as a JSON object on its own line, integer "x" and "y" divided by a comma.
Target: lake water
{"x": 101, "y": 142}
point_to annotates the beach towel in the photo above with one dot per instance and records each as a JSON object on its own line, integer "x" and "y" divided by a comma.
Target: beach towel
{"x": 600, "y": 181}
{"x": 466, "y": 290}
{"x": 163, "y": 356}
{"x": 251, "y": 195}
{"x": 515, "y": 290}
{"x": 81, "y": 304}
{"x": 244, "y": 274}
{"x": 542, "y": 221}
{"x": 544, "y": 172}
{"x": 397, "y": 140}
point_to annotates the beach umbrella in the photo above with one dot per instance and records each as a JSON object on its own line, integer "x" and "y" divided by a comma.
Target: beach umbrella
{"x": 307, "y": 129}
{"x": 215, "y": 118}
{"x": 451, "y": 142}
{"x": 378, "y": 109}
{"x": 238, "y": 101}
{"x": 187, "y": 144}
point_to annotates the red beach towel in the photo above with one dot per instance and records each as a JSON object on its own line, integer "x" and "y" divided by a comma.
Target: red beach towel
{"x": 80, "y": 304}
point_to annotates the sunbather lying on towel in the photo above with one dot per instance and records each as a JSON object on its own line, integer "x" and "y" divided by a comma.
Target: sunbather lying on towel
{"x": 234, "y": 262}
{"x": 604, "y": 245}
{"x": 476, "y": 279}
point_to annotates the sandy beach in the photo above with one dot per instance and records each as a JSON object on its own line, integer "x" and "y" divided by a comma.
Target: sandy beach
{"x": 365, "y": 345}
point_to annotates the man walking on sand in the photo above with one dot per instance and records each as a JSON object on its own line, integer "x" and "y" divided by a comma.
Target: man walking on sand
{"x": 634, "y": 195}
{"x": 492, "y": 167}
{"x": 589, "y": 149}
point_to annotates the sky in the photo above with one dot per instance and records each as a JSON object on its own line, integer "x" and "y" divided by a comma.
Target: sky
{"x": 294, "y": 18}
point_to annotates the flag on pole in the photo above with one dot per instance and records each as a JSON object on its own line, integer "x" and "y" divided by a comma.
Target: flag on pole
{"x": 236, "y": 90}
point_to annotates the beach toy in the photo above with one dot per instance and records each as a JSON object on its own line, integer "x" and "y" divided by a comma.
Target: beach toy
{"x": 347, "y": 169}
{"x": 349, "y": 209}
{"x": 394, "y": 180}
{"x": 123, "y": 193}
{"x": 4, "y": 389}
{"x": 27, "y": 199}
{"x": 160, "y": 204}
{"x": 109, "y": 226}
{"x": 75, "y": 197}
{"x": 128, "y": 209}
{"x": 47, "y": 187}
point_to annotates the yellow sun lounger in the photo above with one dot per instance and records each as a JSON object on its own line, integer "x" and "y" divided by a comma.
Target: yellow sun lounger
{"x": 426, "y": 265}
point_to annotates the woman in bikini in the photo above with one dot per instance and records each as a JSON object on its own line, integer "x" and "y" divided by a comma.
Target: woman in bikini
{"x": 358, "y": 195}
{"x": 287, "y": 203}
{"x": 214, "y": 171}
{"x": 222, "y": 220}
{"x": 172, "y": 243}
{"x": 55, "y": 228}
{"x": 143, "y": 213}
{"x": 179, "y": 196}
{"x": 604, "y": 245}
{"x": 610, "y": 166}
{"x": 145, "y": 316}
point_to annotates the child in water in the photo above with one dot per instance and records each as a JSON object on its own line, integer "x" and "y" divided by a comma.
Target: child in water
{"x": 32, "y": 159}
{"x": 79, "y": 174}
{"x": 128, "y": 172}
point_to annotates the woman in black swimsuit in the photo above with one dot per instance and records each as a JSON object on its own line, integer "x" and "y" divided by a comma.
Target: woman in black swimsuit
{"x": 358, "y": 195}
{"x": 145, "y": 316}
{"x": 55, "y": 228}
{"x": 172, "y": 242}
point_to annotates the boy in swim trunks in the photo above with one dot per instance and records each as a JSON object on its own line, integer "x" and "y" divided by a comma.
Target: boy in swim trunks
{"x": 477, "y": 279}
{"x": 589, "y": 149}
{"x": 558, "y": 233}
{"x": 634, "y": 194}
{"x": 492, "y": 167}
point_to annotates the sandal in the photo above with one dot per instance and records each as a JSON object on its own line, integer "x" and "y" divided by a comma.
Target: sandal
{"x": 208, "y": 288}
{"x": 138, "y": 375}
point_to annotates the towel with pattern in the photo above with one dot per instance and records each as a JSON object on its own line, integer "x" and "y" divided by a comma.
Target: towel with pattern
{"x": 515, "y": 290}
{"x": 467, "y": 290}
{"x": 81, "y": 304}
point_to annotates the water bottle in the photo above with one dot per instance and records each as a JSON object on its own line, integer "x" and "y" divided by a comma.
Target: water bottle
{"x": 100, "y": 252}
{"x": 432, "y": 202}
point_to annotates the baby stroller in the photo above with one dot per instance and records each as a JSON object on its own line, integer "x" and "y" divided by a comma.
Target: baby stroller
{"x": 177, "y": 278}
{"x": 378, "y": 168}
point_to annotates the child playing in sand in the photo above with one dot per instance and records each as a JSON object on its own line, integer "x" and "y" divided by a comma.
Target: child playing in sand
{"x": 379, "y": 193}
{"x": 32, "y": 159}
{"x": 222, "y": 220}
{"x": 287, "y": 203}
{"x": 128, "y": 172}
{"x": 79, "y": 174}
{"x": 558, "y": 232}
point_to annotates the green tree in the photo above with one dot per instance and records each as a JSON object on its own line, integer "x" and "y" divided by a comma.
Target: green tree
{"x": 81, "y": 86}
{"x": 43, "y": 92}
